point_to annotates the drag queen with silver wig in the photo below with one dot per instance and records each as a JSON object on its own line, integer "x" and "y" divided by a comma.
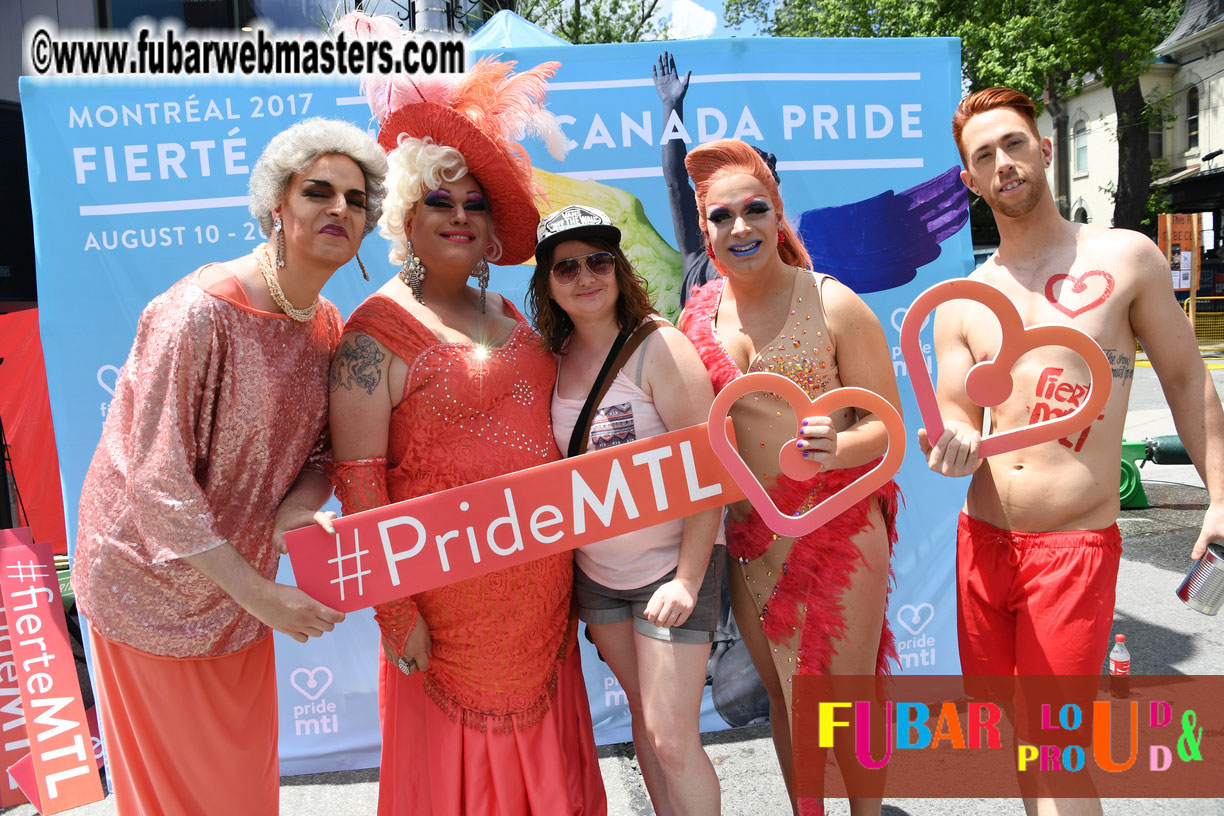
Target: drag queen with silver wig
{"x": 215, "y": 444}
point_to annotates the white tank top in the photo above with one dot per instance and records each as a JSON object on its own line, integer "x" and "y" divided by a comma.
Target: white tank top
{"x": 626, "y": 414}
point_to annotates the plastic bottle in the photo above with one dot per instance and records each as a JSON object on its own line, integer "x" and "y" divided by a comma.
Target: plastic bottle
{"x": 1119, "y": 668}
{"x": 1119, "y": 657}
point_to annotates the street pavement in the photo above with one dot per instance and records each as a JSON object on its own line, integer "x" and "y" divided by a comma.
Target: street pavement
{"x": 1164, "y": 636}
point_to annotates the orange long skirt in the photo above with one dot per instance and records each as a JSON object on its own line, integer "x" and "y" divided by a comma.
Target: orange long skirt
{"x": 434, "y": 765}
{"x": 189, "y": 735}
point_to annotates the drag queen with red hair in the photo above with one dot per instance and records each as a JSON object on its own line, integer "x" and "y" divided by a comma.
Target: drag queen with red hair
{"x": 436, "y": 384}
{"x": 815, "y": 604}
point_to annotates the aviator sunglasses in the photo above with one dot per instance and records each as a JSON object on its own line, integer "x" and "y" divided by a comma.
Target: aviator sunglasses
{"x": 566, "y": 272}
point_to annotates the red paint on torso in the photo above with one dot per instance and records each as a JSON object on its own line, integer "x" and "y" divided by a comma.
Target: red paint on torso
{"x": 1086, "y": 292}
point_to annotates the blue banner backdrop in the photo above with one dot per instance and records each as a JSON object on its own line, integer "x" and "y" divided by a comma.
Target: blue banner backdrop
{"x": 136, "y": 182}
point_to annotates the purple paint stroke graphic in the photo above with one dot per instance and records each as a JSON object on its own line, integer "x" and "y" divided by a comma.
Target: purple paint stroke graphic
{"x": 880, "y": 242}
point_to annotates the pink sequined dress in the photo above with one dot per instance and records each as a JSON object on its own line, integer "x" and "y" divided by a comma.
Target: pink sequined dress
{"x": 499, "y": 724}
{"x": 217, "y": 410}
{"x": 795, "y": 583}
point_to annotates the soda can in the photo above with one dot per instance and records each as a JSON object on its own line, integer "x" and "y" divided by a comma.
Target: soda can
{"x": 1203, "y": 589}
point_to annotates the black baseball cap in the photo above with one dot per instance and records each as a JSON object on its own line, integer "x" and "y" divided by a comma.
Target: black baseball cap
{"x": 575, "y": 223}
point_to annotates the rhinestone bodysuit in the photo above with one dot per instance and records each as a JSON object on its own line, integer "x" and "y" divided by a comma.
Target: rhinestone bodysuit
{"x": 795, "y": 584}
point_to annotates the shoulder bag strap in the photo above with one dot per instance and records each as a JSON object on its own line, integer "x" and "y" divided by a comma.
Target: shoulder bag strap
{"x": 618, "y": 355}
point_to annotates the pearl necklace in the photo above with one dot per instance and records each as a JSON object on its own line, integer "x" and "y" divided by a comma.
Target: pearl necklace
{"x": 263, "y": 256}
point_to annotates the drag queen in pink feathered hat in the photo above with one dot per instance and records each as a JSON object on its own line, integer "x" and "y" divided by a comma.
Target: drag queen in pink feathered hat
{"x": 436, "y": 384}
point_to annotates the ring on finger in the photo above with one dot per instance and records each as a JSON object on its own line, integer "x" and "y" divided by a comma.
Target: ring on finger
{"x": 406, "y": 666}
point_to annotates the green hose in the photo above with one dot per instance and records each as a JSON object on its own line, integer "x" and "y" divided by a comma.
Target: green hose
{"x": 1167, "y": 450}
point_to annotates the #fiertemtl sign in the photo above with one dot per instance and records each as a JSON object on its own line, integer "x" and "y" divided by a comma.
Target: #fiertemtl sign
{"x": 60, "y": 743}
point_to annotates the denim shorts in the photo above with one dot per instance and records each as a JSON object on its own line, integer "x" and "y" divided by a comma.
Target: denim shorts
{"x": 600, "y": 604}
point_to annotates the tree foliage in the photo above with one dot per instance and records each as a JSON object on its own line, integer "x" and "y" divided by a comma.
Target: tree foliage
{"x": 1049, "y": 49}
{"x": 596, "y": 21}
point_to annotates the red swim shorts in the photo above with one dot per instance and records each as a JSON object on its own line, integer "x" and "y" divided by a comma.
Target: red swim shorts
{"x": 1034, "y": 603}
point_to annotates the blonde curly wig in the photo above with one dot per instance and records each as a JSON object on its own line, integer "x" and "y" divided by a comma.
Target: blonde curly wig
{"x": 415, "y": 168}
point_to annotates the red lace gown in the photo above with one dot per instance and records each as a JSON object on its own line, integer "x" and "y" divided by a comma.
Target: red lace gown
{"x": 499, "y": 724}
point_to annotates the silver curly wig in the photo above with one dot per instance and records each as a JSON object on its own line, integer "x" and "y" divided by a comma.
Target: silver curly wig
{"x": 294, "y": 149}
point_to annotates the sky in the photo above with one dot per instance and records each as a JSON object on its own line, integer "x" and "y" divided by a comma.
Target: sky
{"x": 689, "y": 19}
{"x": 699, "y": 19}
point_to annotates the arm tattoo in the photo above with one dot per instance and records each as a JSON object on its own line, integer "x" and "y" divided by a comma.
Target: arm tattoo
{"x": 1122, "y": 364}
{"x": 357, "y": 363}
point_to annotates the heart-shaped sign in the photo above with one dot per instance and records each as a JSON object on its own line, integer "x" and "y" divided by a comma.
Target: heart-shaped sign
{"x": 791, "y": 461}
{"x": 314, "y": 681}
{"x": 989, "y": 382}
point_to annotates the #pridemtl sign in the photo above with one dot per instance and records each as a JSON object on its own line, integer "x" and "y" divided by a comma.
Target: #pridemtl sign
{"x": 430, "y": 541}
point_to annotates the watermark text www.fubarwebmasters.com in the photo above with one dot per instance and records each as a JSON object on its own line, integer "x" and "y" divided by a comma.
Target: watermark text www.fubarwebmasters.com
{"x": 170, "y": 51}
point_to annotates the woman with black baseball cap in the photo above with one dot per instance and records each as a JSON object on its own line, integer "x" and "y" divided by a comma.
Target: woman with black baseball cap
{"x": 650, "y": 598}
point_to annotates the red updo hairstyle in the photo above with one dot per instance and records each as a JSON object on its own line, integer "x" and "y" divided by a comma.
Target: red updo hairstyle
{"x": 711, "y": 162}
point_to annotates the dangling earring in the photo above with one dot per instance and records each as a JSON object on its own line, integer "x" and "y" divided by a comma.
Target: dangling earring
{"x": 413, "y": 272}
{"x": 361, "y": 266}
{"x": 781, "y": 237}
{"x": 482, "y": 278}
{"x": 710, "y": 251}
{"x": 278, "y": 228}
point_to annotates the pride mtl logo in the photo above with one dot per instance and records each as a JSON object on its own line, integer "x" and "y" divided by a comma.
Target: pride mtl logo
{"x": 315, "y": 715}
{"x": 917, "y": 650}
{"x": 614, "y": 695}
